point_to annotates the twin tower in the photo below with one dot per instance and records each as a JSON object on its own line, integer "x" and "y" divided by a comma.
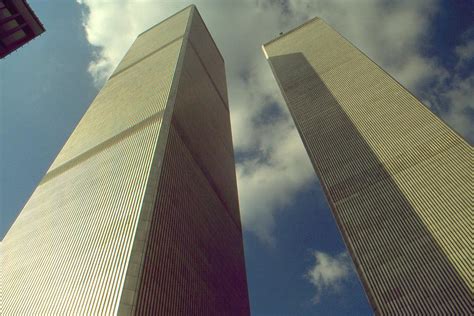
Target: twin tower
{"x": 139, "y": 212}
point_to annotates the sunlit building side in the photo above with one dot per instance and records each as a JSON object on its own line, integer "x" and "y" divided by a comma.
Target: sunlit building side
{"x": 398, "y": 180}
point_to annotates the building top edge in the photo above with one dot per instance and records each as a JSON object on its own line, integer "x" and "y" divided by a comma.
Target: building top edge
{"x": 195, "y": 9}
{"x": 170, "y": 17}
{"x": 210, "y": 35}
{"x": 291, "y": 31}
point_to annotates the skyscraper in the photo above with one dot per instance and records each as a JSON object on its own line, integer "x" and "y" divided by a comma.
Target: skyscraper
{"x": 18, "y": 25}
{"x": 398, "y": 180}
{"x": 139, "y": 213}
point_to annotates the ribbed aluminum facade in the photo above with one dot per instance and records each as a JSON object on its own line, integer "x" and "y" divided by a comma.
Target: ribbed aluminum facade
{"x": 139, "y": 213}
{"x": 399, "y": 181}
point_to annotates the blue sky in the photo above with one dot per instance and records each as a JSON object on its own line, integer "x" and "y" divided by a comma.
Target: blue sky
{"x": 296, "y": 260}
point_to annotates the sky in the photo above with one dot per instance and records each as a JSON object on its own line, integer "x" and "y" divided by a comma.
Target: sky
{"x": 296, "y": 261}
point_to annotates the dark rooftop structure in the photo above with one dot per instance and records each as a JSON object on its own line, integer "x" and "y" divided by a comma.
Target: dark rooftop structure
{"x": 18, "y": 25}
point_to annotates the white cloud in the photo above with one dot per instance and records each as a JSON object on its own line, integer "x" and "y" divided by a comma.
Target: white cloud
{"x": 278, "y": 167}
{"x": 274, "y": 166}
{"x": 417, "y": 71}
{"x": 452, "y": 95}
{"x": 391, "y": 33}
{"x": 270, "y": 181}
{"x": 112, "y": 26}
{"x": 394, "y": 34}
{"x": 329, "y": 273}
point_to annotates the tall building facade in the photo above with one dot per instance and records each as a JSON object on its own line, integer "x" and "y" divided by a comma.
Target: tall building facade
{"x": 139, "y": 212}
{"x": 398, "y": 180}
{"x": 18, "y": 25}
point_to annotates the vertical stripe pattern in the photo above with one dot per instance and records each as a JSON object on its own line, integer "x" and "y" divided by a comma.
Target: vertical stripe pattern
{"x": 194, "y": 261}
{"x": 398, "y": 179}
{"x": 69, "y": 249}
{"x": 138, "y": 213}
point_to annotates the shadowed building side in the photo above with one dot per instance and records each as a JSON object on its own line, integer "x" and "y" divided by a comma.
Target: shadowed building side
{"x": 398, "y": 180}
{"x": 193, "y": 263}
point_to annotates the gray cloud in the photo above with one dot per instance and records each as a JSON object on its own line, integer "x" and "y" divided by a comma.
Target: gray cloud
{"x": 279, "y": 166}
{"x": 454, "y": 101}
{"x": 272, "y": 165}
{"x": 465, "y": 50}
